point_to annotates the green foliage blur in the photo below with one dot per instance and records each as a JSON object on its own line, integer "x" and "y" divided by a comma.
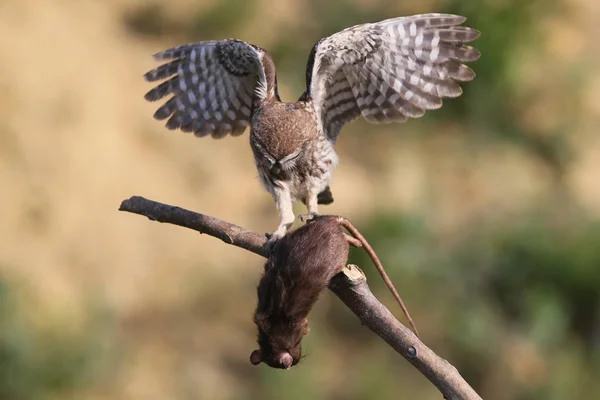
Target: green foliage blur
{"x": 512, "y": 301}
{"x": 42, "y": 362}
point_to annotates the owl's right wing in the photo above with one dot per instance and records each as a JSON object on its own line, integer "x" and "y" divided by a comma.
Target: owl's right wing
{"x": 390, "y": 70}
{"x": 213, "y": 84}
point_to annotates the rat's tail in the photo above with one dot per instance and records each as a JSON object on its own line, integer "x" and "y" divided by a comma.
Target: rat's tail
{"x": 348, "y": 225}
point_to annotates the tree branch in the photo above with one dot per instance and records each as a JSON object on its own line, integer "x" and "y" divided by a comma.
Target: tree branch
{"x": 349, "y": 285}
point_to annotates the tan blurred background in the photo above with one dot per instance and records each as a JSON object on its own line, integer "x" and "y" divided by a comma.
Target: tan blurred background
{"x": 486, "y": 212}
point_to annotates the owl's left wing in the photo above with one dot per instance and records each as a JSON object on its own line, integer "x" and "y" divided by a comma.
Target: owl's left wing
{"x": 213, "y": 85}
{"x": 390, "y": 70}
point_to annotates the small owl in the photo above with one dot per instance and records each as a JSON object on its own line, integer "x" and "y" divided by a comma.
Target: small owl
{"x": 387, "y": 71}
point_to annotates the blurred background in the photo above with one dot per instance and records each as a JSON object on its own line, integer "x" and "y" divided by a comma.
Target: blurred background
{"x": 486, "y": 213}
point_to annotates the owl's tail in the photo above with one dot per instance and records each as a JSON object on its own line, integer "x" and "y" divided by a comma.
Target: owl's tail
{"x": 325, "y": 197}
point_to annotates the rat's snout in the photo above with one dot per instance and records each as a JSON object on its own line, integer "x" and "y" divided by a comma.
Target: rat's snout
{"x": 283, "y": 359}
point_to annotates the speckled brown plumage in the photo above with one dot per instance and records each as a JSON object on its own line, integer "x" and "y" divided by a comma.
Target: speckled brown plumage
{"x": 387, "y": 71}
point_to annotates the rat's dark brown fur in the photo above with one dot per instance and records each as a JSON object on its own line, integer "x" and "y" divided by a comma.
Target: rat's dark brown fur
{"x": 299, "y": 268}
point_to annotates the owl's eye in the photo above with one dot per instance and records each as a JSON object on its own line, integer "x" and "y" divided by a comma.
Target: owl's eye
{"x": 290, "y": 158}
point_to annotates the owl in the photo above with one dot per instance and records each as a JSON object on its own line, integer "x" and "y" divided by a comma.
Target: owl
{"x": 384, "y": 72}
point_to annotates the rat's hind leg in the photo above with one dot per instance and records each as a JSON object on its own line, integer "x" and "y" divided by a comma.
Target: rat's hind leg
{"x": 352, "y": 240}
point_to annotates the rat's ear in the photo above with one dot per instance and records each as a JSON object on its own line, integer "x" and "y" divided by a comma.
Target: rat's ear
{"x": 256, "y": 357}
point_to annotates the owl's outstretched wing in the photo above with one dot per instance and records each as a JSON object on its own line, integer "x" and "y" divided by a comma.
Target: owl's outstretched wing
{"x": 390, "y": 70}
{"x": 213, "y": 85}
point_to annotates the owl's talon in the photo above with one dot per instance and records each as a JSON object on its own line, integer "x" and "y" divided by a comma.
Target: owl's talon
{"x": 305, "y": 218}
{"x": 272, "y": 239}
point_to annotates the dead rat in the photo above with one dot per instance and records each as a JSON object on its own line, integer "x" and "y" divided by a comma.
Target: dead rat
{"x": 298, "y": 269}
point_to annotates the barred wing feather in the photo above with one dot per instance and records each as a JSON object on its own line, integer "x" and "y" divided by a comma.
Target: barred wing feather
{"x": 389, "y": 71}
{"x": 213, "y": 85}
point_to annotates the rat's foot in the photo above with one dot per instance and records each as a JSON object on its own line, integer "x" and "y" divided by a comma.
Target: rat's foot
{"x": 308, "y": 217}
{"x": 353, "y": 241}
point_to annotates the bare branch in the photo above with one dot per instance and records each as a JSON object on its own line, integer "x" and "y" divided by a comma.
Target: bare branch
{"x": 349, "y": 285}
{"x": 229, "y": 233}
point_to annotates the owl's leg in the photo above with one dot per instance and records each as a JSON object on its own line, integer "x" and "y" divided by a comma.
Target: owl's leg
{"x": 312, "y": 203}
{"x": 283, "y": 202}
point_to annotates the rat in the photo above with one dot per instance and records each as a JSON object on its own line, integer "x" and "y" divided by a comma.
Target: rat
{"x": 299, "y": 267}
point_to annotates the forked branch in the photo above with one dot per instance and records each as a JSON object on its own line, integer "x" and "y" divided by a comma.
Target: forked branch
{"x": 350, "y": 286}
